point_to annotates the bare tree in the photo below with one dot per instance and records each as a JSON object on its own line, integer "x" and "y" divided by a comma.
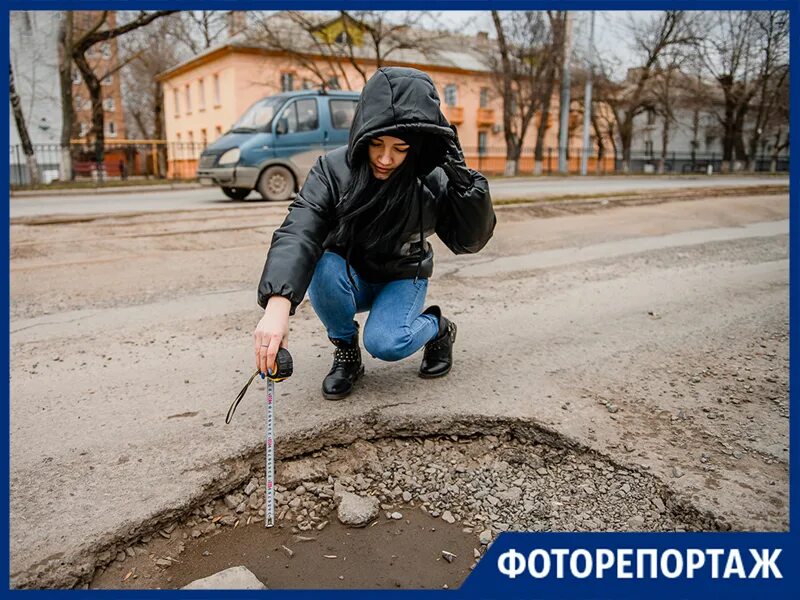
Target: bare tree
{"x": 310, "y": 45}
{"x": 631, "y": 98}
{"x": 523, "y": 68}
{"x": 65, "y": 38}
{"x": 727, "y": 52}
{"x": 558, "y": 23}
{"x": 780, "y": 123}
{"x": 198, "y": 30}
{"x": 99, "y": 32}
{"x": 153, "y": 51}
{"x": 772, "y": 31}
{"x": 22, "y": 128}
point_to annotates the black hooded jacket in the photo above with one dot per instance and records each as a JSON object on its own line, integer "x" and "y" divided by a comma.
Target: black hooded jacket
{"x": 395, "y": 99}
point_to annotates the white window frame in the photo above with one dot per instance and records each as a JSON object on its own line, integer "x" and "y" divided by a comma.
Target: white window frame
{"x": 76, "y": 77}
{"x": 287, "y": 77}
{"x": 176, "y": 98}
{"x": 105, "y": 49}
{"x": 188, "y": 96}
{"x": 201, "y": 94}
{"x": 484, "y": 99}
{"x": 111, "y": 129}
{"x": 108, "y": 105}
{"x": 217, "y": 100}
{"x": 107, "y": 80}
{"x": 451, "y": 92}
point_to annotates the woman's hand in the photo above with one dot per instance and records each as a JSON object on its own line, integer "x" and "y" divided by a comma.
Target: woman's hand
{"x": 454, "y": 165}
{"x": 272, "y": 332}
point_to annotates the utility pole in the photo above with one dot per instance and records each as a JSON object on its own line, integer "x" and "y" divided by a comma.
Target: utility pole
{"x": 587, "y": 100}
{"x": 563, "y": 137}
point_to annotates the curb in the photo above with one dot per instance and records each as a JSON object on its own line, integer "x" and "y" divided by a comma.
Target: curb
{"x": 134, "y": 189}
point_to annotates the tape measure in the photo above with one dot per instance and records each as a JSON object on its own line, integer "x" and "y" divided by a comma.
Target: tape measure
{"x": 283, "y": 370}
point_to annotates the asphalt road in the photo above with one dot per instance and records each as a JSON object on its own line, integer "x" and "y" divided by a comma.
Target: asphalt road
{"x": 131, "y": 335}
{"x": 211, "y": 198}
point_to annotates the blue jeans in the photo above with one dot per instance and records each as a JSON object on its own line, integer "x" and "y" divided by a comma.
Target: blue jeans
{"x": 395, "y": 328}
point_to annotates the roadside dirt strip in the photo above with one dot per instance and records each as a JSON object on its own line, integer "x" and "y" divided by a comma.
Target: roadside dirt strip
{"x": 650, "y": 332}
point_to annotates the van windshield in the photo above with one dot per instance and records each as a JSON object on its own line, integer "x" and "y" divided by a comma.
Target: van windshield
{"x": 259, "y": 115}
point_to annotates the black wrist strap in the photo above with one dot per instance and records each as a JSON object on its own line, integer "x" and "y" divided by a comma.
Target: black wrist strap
{"x": 235, "y": 403}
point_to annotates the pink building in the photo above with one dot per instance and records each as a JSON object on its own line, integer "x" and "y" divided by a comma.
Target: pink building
{"x": 205, "y": 95}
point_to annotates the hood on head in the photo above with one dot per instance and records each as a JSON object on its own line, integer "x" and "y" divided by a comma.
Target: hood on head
{"x": 397, "y": 100}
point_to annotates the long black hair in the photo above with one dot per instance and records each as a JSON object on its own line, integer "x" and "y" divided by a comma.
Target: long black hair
{"x": 373, "y": 212}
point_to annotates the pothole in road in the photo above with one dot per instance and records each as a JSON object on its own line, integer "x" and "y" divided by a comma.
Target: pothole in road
{"x": 440, "y": 501}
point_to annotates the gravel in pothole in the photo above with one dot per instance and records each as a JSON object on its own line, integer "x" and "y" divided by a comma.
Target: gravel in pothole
{"x": 484, "y": 484}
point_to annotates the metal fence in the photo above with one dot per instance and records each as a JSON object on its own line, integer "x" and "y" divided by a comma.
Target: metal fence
{"x": 126, "y": 159}
{"x": 699, "y": 162}
{"x": 142, "y": 159}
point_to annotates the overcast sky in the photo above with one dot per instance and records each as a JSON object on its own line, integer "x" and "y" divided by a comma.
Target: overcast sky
{"x": 611, "y": 36}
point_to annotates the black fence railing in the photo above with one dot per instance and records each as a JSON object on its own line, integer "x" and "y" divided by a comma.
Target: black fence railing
{"x": 699, "y": 162}
{"x": 142, "y": 159}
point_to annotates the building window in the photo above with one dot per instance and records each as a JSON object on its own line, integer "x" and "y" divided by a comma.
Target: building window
{"x": 203, "y": 137}
{"x": 651, "y": 116}
{"x": 84, "y": 129}
{"x": 648, "y": 148}
{"x": 175, "y": 100}
{"x": 112, "y": 129}
{"x": 188, "y": 100}
{"x": 484, "y": 97}
{"x": 105, "y": 49}
{"x": 76, "y": 77}
{"x": 482, "y": 139}
{"x": 201, "y": 98}
{"x": 108, "y": 80}
{"x": 216, "y": 90}
{"x": 77, "y": 101}
{"x": 343, "y": 38}
{"x": 287, "y": 82}
{"x": 308, "y": 84}
{"x": 333, "y": 83}
{"x": 178, "y": 137}
{"x": 108, "y": 104}
{"x": 218, "y": 131}
{"x": 450, "y": 95}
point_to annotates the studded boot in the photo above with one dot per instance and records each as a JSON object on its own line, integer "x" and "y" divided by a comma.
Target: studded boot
{"x": 347, "y": 368}
{"x": 438, "y": 357}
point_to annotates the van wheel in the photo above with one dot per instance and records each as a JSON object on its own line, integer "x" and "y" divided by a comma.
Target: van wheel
{"x": 276, "y": 183}
{"x": 235, "y": 193}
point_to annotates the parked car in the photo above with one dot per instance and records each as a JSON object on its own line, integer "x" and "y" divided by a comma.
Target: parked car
{"x": 273, "y": 146}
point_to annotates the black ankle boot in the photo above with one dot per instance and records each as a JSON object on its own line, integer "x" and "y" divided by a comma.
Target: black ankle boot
{"x": 346, "y": 369}
{"x": 438, "y": 357}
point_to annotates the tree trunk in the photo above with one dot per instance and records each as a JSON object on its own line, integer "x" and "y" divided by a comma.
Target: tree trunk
{"x": 664, "y": 146}
{"x": 65, "y": 84}
{"x": 98, "y": 121}
{"x": 625, "y": 136}
{"x": 512, "y": 159}
{"x": 158, "y": 129}
{"x": 22, "y": 129}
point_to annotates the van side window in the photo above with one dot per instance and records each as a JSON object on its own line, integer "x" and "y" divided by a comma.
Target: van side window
{"x": 302, "y": 115}
{"x": 342, "y": 112}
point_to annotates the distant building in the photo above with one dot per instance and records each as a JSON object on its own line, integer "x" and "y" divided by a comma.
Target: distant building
{"x": 103, "y": 58}
{"x": 34, "y": 56}
{"x": 206, "y": 94}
